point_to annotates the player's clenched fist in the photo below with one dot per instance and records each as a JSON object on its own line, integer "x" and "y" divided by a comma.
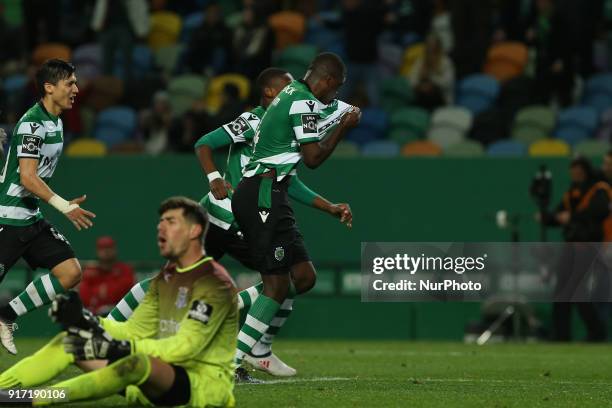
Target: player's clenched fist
{"x": 351, "y": 118}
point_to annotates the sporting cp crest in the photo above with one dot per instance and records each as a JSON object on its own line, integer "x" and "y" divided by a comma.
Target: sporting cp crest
{"x": 279, "y": 253}
{"x": 181, "y": 298}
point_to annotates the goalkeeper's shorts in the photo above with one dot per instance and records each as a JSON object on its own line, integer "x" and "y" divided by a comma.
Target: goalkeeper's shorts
{"x": 206, "y": 387}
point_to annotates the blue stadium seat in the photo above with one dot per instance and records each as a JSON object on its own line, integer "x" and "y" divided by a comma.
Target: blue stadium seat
{"x": 15, "y": 83}
{"x": 599, "y": 83}
{"x": 474, "y": 103}
{"x": 88, "y": 59}
{"x": 572, "y": 135}
{"x": 115, "y": 125}
{"x": 599, "y": 101}
{"x": 374, "y": 119}
{"x": 190, "y": 23}
{"x": 479, "y": 84}
{"x": 362, "y": 135}
{"x": 142, "y": 62}
{"x": 381, "y": 148}
{"x": 584, "y": 117}
{"x": 507, "y": 148}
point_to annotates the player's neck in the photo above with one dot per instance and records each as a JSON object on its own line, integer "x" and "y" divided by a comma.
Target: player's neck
{"x": 190, "y": 257}
{"x": 51, "y": 107}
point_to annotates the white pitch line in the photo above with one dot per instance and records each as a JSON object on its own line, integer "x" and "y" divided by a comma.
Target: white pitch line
{"x": 298, "y": 380}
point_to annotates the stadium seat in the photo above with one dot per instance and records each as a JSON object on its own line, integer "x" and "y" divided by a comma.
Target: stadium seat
{"x": 88, "y": 59}
{"x": 86, "y": 148}
{"x": 411, "y": 55}
{"x": 167, "y": 58}
{"x": 381, "y": 148}
{"x": 215, "y": 88}
{"x": 289, "y": 28}
{"x": 191, "y": 22}
{"x": 115, "y": 125}
{"x": 413, "y": 118}
{"x": 452, "y": 116}
{"x": 321, "y": 37}
{"x": 184, "y": 91}
{"x": 536, "y": 115}
{"x": 421, "y": 148}
{"x": 572, "y": 135}
{"x": 512, "y": 148}
{"x": 466, "y": 148}
{"x": 606, "y": 116}
{"x": 599, "y": 83}
{"x": 296, "y": 58}
{"x": 164, "y": 29}
{"x": 506, "y": 60}
{"x": 528, "y": 133}
{"x": 142, "y": 62}
{"x": 577, "y": 123}
{"x": 592, "y": 148}
{"x": 445, "y": 137}
{"x": 106, "y": 91}
{"x": 549, "y": 147}
{"x": 600, "y": 101}
{"x": 346, "y": 149}
{"x": 47, "y": 51}
{"x": 395, "y": 93}
{"x": 402, "y": 136}
{"x": 362, "y": 136}
{"x": 375, "y": 119}
{"x": 477, "y": 92}
{"x": 14, "y": 83}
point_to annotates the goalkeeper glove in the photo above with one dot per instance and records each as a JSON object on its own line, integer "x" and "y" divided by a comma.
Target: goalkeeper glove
{"x": 68, "y": 311}
{"x": 85, "y": 345}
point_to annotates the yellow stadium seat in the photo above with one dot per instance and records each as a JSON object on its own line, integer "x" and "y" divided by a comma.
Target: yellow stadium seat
{"x": 165, "y": 29}
{"x": 51, "y": 50}
{"x": 549, "y": 147}
{"x": 215, "y": 89}
{"x": 411, "y": 55}
{"x": 86, "y": 148}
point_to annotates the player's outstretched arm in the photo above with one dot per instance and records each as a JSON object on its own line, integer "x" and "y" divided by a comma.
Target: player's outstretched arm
{"x": 316, "y": 153}
{"x": 303, "y": 194}
{"x": 204, "y": 148}
{"x": 30, "y": 180}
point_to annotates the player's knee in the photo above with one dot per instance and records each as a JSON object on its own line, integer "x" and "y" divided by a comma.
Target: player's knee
{"x": 305, "y": 281}
{"x": 72, "y": 275}
{"x": 134, "y": 368}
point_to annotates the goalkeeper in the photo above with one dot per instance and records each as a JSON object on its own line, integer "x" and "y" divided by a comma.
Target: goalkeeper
{"x": 177, "y": 347}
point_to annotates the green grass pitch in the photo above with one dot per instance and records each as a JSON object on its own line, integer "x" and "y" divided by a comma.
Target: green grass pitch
{"x": 405, "y": 374}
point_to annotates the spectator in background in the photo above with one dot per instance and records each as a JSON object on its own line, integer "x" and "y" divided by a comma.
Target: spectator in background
{"x": 433, "y": 76}
{"x": 231, "y": 106}
{"x": 105, "y": 283}
{"x": 441, "y": 25}
{"x": 120, "y": 23}
{"x": 363, "y": 22}
{"x": 42, "y": 20}
{"x": 253, "y": 40}
{"x": 210, "y": 44}
{"x": 186, "y": 130}
{"x": 155, "y": 123}
{"x": 514, "y": 20}
{"x": 581, "y": 214}
{"x": 554, "y": 62}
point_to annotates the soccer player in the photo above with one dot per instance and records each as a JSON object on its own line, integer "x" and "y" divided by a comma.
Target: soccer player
{"x": 289, "y": 132}
{"x": 177, "y": 347}
{"x": 224, "y": 235}
{"x": 30, "y": 162}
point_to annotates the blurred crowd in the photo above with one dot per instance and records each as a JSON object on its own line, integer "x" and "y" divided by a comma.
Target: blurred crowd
{"x": 174, "y": 70}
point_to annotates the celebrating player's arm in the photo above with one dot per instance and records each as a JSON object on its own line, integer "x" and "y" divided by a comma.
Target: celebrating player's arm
{"x": 301, "y": 193}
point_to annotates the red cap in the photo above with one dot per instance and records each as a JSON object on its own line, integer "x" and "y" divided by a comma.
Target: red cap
{"x": 105, "y": 242}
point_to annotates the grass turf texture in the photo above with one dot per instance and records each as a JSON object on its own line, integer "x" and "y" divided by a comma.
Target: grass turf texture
{"x": 391, "y": 374}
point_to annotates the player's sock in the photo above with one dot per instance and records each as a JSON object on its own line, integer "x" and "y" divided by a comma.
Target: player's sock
{"x": 256, "y": 324}
{"x": 126, "y": 306}
{"x": 264, "y": 345}
{"x": 38, "y": 293}
{"x": 40, "y": 367}
{"x": 248, "y": 296}
{"x": 134, "y": 369}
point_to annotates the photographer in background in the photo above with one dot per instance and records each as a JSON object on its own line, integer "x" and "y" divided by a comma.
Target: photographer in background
{"x": 581, "y": 214}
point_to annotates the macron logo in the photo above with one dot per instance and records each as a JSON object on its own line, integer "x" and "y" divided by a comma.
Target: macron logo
{"x": 264, "y": 215}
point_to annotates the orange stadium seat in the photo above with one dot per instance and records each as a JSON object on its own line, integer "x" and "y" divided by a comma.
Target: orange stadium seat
{"x": 506, "y": 60}
{"x": 51, "y": 50}
{"x": 421, "y": 148}
{"x": 165, "y": 29}
{"x": 289, "y": 28}
{"x": 549, "y": 147}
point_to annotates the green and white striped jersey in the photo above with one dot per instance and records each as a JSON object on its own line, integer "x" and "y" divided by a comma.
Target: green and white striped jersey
{"x": 294, "y": 117}
{"x": 241, "y": 131}
{"x": 37, "y": 135}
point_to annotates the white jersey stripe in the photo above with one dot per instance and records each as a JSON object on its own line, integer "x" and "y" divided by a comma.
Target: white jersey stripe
{"x": 226, "y": 203}
{"x": 138, "y": 292}
{"x": 219, "y": 223}
{"x": 16, "y": 190}
{"x": 17, "y": 213}
{"x": 124, "y": 308}
{"x": 18, "y": 306}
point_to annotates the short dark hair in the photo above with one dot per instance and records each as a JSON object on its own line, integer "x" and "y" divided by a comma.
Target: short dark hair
{"x": 52, "y": 71}
{"x": 265, "y": 78}
{"x": 192, "y": 211}
{"x": 328, "y": 63}
{"x": 584, "y": 164}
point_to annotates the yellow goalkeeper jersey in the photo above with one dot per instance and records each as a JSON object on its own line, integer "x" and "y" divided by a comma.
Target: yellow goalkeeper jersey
{"x": 188, "y": 317}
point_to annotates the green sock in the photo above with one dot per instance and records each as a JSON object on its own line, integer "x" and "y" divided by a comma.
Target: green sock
{"x": 248, "y": 296}
{"x": 264, "y": 345}
{"x": 257, "y": 321}
{"x": 134, "y": 369}
{"x": 40, "y": 367}
{"x": 38, "y": 293}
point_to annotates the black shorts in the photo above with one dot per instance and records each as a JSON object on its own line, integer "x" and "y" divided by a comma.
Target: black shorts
{"x": 220, "y": 242}
{"x": 40, "y": 244}
{"x": 262, "y": 211}
{"x": 180, "y": 392}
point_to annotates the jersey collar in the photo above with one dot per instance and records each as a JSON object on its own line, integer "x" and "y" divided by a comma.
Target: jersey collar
{"x": 193, "y": 266}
